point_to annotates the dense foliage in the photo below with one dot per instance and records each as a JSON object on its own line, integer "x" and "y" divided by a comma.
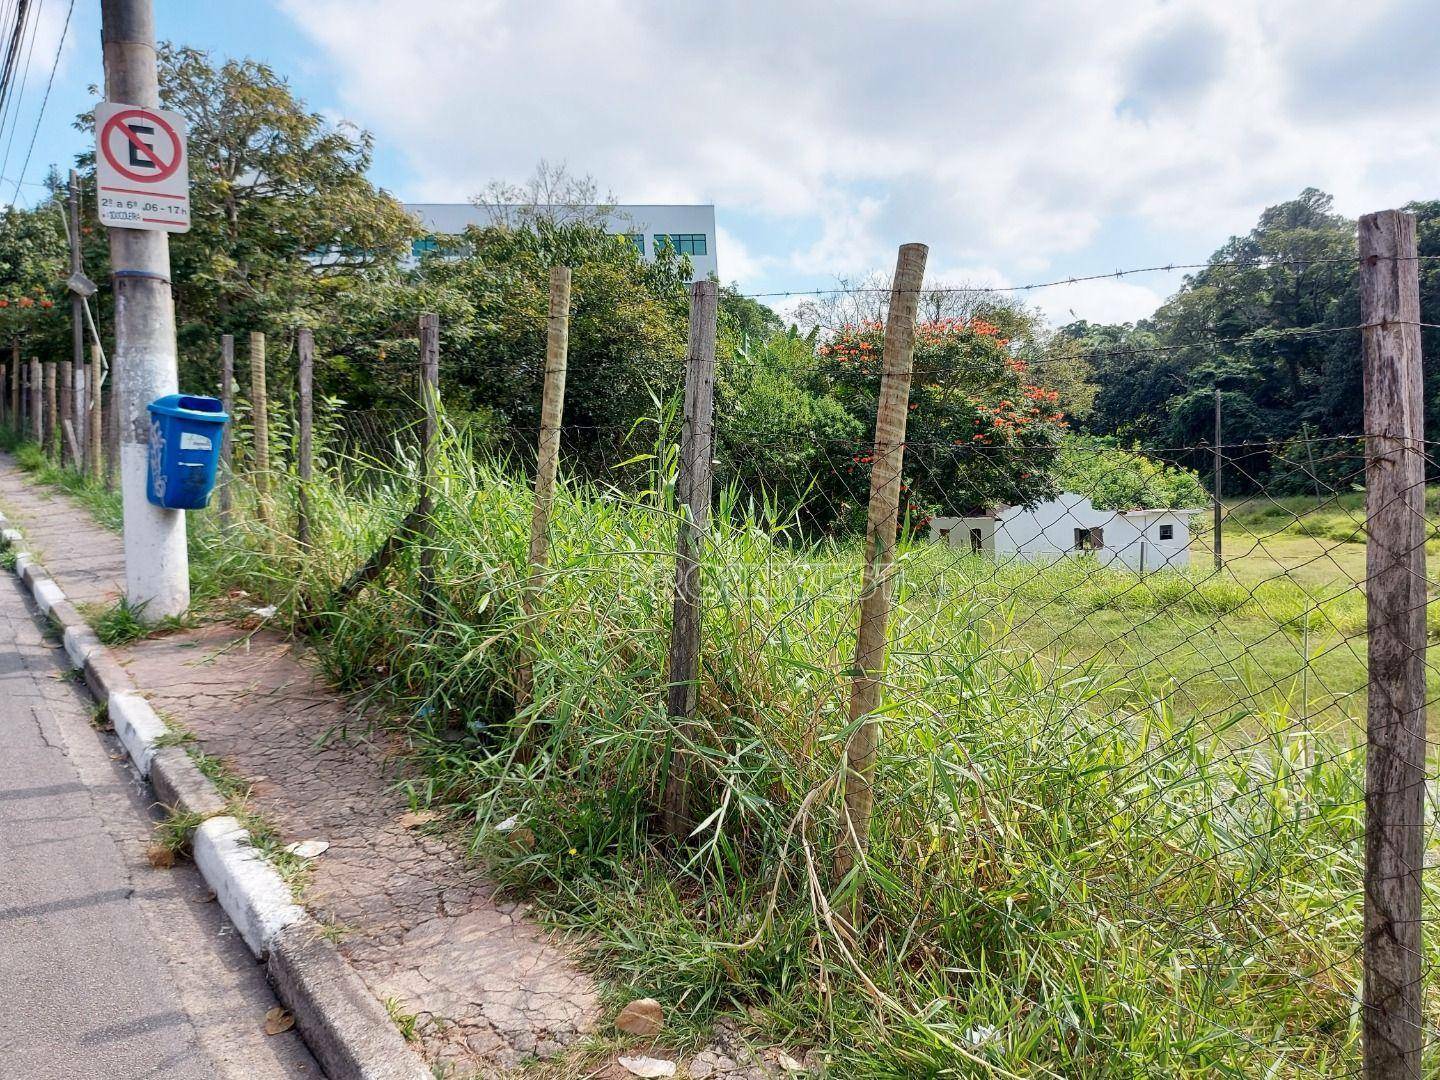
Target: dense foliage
{"x": 1231, "y": 327}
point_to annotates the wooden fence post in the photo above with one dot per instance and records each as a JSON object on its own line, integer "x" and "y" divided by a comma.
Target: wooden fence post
{"x": 5, "y": 416}
{"x": 430, "y": 396}
{"x": 79, "y": 403}
{"x": 877, "y": 583}
{"x": 692, "y": 495}
{"x": 552, "y": 407}
{"x": 1393, "y": 1031}
{"x": 304, "y": 465}
{"x": 94, "y": 424}
{"x": 67, "y": 408}
{"x": 17, "y": 369}
{"x": 37, "y": 402}
{"x": 260, "y": 426}
{"x": 227, "y": 439}
{"x": 52, "y": 404}
{"x": 112, "y": 439}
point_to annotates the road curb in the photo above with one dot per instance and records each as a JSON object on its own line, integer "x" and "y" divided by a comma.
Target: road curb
{"x": 345, "y": 1027}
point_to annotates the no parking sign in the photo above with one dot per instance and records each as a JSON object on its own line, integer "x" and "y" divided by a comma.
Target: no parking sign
{"x": 141, "y": 172}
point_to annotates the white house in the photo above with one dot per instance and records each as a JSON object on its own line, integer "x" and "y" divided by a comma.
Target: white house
{"x": 690, "y": 230}
{"x": 1069, "y": 524}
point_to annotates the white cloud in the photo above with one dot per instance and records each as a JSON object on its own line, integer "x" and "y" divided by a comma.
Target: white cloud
{"x": 1002, "y": 132}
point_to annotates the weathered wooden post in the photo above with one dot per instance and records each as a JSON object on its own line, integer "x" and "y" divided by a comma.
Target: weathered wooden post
{"x": 1394, "y": 1028}
{"x": 260, "y": 427}
{"x": 226, "y": 494}
{"x": 94, "y": 423}
{"x": 430, "y": 434}
{"x": 67, "y": 408}
{"x": 692, "y": 496}
{"x": 304, "y": 466}
{"x": 112, "y": 439}
{"x": 37, "y": 402}
{"x": 52, "y": 412}
{"x": 877, "y": 584}
{"x": 79, "y": 404}
{"x": 17, "y": 376}
{"x": 5, "y": 416}
{"x": 552, "y": 406}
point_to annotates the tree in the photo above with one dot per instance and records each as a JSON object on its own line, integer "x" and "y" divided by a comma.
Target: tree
{"x": 551, "y": 195}
{"x": 285, "y": 221}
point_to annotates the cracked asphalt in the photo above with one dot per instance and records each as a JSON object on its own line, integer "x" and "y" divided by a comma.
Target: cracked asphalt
{"x": 108, "y": 968}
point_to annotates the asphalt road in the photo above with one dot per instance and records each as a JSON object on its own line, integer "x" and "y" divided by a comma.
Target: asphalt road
{"x": 108, "y": 968}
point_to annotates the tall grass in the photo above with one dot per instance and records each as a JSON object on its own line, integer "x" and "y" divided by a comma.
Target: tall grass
{"x": 1058, "y": 885}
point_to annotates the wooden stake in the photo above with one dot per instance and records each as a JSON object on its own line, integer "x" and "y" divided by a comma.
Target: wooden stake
{"x": 79, "y": 407}
{"x": 52, "y": 412}
{"x": 17, "y": 373}
{"x": 692, "y": 490}
{"x": 877, "y": 583}
{"x": 37, "y": 402}
{"x": 72, "y": 447}
{"x": 430, "y": 396}
{"x": 67, "y": 408}
{"x": 1395, "y": 824}
{"x": 112, "y": 437}
{"x": 226, "y": 503}
{"x": 304, "y": 466}
{"x": 260, "y": 426}
{"x": 552, "y": 406}
{"x": 94, "y": 426}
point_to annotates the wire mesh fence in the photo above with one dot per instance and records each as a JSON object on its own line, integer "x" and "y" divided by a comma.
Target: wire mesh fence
{"x": 1115, "y": 791}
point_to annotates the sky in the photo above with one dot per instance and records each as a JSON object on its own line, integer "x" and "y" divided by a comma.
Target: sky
{"x": 1022, "y": 140}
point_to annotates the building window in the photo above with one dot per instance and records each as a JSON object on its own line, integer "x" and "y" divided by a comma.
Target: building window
{"x": 1167, "y": 532}
{"x": 637, "y": 240}
{"x": 1089, "y": 539}
{"x": 977, "y": 540}
{"x": 681, "y": 243}
{"x": 421, "y": 246}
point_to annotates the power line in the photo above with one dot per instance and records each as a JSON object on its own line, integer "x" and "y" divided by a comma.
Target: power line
{"x": 965, "y": 290}
{"x": 18, "y": 88}
{"x": 59, "y": 48}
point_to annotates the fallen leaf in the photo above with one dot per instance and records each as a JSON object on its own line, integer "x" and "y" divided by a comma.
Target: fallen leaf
{"x": 647, "y": 1066}
{"x": 308, "y": 849}
{"x": 278, "y": 1020}
{"x": 415, "y": 818}
{"x": 160, "y": 856}
{"x": 789, "y": 1064}
{"x": 643, "y": 1016}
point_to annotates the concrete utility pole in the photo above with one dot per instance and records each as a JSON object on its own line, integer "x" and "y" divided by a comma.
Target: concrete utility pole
{"x": 157, "y": 568}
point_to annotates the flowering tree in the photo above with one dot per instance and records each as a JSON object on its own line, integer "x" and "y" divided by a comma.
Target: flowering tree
{"x": 981, "y": 431}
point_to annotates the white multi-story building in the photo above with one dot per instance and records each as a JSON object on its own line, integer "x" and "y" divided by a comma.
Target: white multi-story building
{"x": 690, "y": 230}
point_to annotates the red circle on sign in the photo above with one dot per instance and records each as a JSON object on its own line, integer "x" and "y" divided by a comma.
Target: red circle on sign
{"x": 162, "y": 171}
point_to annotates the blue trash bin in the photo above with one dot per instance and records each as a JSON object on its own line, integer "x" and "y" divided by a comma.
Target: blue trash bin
{"x": 185, "y": 433}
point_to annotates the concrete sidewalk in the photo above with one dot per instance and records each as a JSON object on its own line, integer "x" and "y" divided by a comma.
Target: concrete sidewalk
{"x": 412, "y": 914}
{"x": 111, "y": 969}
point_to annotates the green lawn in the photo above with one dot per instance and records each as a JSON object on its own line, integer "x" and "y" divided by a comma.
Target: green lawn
{"x": 1278, "y": 631}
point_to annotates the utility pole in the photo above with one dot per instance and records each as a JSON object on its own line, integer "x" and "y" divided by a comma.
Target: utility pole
{"x": 157, "y": 567}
